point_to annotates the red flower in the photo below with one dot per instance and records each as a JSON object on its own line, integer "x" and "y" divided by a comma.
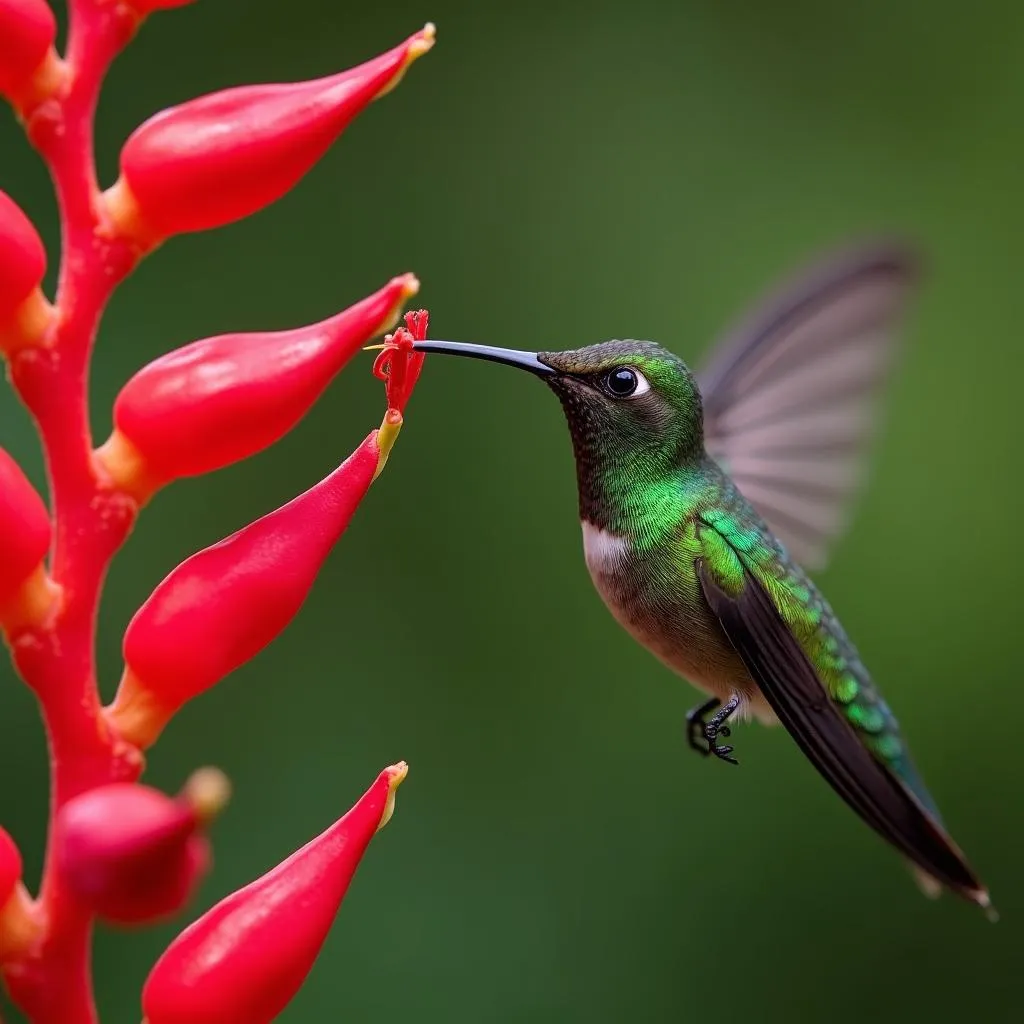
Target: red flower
{"x": 116, "y": 849}
{"x": 222, "y": 157}
{"x": 397, "y": 365}
{"x": 223, "y": 399}
{"x": 148, "y": 6}
{"x": 246, "y": 958}
{"x": 132, "y": 854}
{"x": 26, "y": 594}
{"x": 24, "y": 312}
{"x": 19, "y": 924}
{"x": 226, "y": 603}
{"x": 29, "y": 68}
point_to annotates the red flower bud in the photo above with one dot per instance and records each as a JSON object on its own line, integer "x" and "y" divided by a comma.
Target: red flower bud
{"x": 226, "y": 603}
{"x": 18, "y": 922}
{"x": 24, "y": 313}
{"x": 10, "y": 866}
{"x": 223, "y": 399}
{"x": 131, "y": 853}
{"x": 245, "y": 959}
{"x": 224, "y": 156}
{"x": 28, "y": 62}
{"x": 148, "y": 6}
{"x": 26, "y": 594}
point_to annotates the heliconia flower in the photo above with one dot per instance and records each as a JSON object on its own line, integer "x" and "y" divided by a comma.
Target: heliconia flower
{"x": 18, "y": 922}
{"x": 226, "y": 603}
{"x": 132, "y": 854}
{"x": 245, "y": 959}
{"x": 29, "y": 66}
{"x": 224, "y": 156}
{"x": 26, "y": 593}
{"x": 223, "y": 399}
{"x": 24, "y": 312}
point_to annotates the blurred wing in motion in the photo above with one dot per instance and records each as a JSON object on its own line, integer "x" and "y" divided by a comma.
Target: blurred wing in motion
{"x": 791, "y": 395}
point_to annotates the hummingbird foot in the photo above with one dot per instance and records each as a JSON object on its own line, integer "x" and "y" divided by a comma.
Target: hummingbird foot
{"x": 695, "y": 726}
{"x": 698, "y": 729}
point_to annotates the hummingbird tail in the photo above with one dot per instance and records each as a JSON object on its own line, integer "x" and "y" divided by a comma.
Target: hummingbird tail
{"x": 788, "y": 681}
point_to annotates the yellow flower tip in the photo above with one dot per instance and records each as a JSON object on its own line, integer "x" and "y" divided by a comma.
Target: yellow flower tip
{"x": 47, "y": 82}
{"x": 121, "y": 466}
{"x": 396, "y": 774}
{"x": 136, "y": 715}
{"x": 123, "y": 219}
{"x": 207, "y": 790}
{"x": 21, "y": 924}
{"x": 35, "y": 605}
{"x": 423, "y": 43}
{"x": 28, "y": 325}
{"x": 386, "y": 437}
{"x": 410, "y": 286}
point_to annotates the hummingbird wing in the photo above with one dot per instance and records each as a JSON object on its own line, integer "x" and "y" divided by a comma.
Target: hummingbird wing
{"x": 786, "y": 677}
{"x": 790, "y": 395}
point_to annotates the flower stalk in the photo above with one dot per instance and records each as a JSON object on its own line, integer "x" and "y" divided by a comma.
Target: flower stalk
{"x": 117, "y": 849}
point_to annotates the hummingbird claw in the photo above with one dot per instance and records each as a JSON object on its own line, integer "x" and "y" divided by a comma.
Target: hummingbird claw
{"x": 697, "y": 729}
{"x": 722, "y": 753}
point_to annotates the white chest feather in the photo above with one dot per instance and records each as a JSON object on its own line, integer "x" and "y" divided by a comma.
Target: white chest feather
{"x": 683, "y": 643}
{"x": 602, "y": 550}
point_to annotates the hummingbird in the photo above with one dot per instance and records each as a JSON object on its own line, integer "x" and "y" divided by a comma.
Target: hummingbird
{"x": 706, "y": 498}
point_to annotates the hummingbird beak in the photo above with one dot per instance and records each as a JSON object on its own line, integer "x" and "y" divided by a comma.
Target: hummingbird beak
{"x": 509, "y": 356}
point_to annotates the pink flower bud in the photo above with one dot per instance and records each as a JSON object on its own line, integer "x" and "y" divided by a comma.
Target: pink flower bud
{"x": 223, "y": 399}
{"x": 245, "y": 959}
{"x": 133, "y": 854}
{"x": 224, "y": 156}
{"x": 226, "y": 603}
{"x": 26, "y": 595}
{"x": 24, "y": 313}
{"x": 27, "y": 32}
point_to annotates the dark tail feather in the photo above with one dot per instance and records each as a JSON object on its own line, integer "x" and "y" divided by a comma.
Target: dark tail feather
{"x": 789, "y": 683}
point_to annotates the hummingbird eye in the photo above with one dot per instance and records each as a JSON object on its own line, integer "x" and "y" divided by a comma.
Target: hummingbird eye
{"x": 624, "y": 382}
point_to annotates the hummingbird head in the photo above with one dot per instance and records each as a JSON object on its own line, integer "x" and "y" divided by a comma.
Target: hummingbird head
{"x": 633, "y": 409}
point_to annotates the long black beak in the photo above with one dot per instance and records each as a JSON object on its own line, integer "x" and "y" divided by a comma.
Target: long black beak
{"x": 509, "y": 356}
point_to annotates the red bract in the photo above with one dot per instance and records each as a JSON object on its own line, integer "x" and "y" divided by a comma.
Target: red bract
{"x": 224, "y": 156}
{"x": 24, "y": 313}
{"x": 26, "y": 594}
{"x": 226, "y": 603}
{"x": 131, "y": 853}
{"x": 222, "y": 399}
{"x": 28, "y": 64}
{"x": 245, "y": 959}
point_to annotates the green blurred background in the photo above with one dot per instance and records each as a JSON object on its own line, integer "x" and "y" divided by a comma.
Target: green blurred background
{"x": 559, "y": 174}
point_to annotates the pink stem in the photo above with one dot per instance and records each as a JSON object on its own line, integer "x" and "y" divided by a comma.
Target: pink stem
{"x": 53, "y": 984}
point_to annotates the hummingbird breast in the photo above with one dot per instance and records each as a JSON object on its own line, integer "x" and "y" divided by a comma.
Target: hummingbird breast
{"x": 654, "y": 594}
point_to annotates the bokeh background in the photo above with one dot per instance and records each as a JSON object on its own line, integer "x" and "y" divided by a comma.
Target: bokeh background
{"x": 559, "y": 174}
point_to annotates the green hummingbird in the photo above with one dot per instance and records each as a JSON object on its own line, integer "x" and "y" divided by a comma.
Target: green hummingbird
{"x": 704, "y": 499}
